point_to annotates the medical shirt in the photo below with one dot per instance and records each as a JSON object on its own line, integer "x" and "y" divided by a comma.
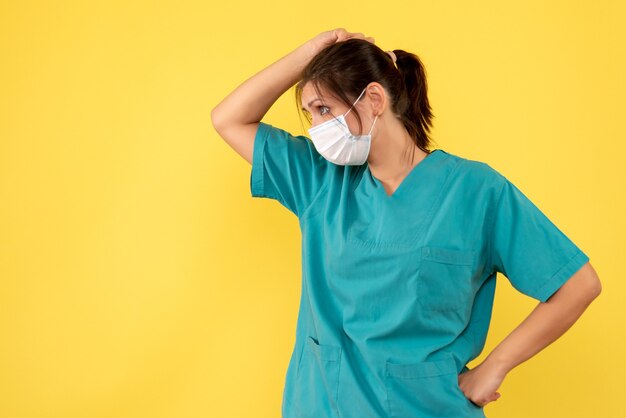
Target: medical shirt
{"x": 397, "y": 290}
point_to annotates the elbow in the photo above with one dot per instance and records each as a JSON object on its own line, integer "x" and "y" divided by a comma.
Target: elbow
{"x": 591, "y": 289}
{"x": 585, "y": 284}
{"x": 596, "y": 288}
{"x": 215, "y": 119}
{"x": 594, "y": 284}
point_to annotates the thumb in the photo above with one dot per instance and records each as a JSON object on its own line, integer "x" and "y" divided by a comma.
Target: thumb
{"x": 495, "y": 396}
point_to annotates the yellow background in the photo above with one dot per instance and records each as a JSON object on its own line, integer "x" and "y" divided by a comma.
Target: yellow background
{"x": 138, "y": 278}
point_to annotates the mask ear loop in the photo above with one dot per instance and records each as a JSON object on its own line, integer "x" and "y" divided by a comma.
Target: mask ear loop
{"x": 372, "y": 128}
{"x": 349, "y": 110}
{"x": 357, "y": 99}
{"x": 370, "y": 132}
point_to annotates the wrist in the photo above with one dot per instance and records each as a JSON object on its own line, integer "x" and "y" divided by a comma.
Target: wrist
{"x": 500, "y": 365}
{"x": 310, "y": 49}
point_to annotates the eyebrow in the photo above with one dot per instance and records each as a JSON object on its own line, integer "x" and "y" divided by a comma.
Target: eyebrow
{"x": 310, "y": 103}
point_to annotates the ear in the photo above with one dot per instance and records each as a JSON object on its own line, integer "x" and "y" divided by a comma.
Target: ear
{"x": 378, "y": 97}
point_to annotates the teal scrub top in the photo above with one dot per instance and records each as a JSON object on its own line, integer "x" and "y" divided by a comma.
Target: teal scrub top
{"x": 397, "y": 291}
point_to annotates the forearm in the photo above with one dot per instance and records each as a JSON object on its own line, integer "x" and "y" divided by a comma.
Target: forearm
{"x": 258, "y": 93}
{"x": 547, "y": 322}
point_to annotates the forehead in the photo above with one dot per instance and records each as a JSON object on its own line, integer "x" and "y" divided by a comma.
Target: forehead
{"x": 309, "y": 93}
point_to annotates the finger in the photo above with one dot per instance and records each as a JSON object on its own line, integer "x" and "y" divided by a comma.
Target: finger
{"x": 493, "y": 397}
{"x": 345, "y": 35}
{"x": 340, "y": 33}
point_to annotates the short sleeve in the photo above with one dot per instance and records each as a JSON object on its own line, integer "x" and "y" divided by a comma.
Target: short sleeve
{"x": 286, "y": 168}
{"x": 535, "y": 256}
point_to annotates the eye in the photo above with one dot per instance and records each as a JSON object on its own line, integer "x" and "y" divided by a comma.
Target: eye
{"x": 323, "y": 107}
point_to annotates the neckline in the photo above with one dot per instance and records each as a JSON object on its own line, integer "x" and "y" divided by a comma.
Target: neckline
{"x": 422, "y": 165}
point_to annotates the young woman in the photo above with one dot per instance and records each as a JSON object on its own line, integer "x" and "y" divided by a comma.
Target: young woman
{"x": 400, "y": 244}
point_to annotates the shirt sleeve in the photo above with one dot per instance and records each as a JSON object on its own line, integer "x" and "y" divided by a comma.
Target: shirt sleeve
{"x": 525, "y": 246}
{"x": 286, "y": 168}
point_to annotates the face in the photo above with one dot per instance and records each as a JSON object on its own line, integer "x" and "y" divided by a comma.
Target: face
{"x": 326, "y": 107}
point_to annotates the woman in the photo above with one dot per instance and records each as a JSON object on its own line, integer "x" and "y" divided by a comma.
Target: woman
{"x": 400, "y": 244}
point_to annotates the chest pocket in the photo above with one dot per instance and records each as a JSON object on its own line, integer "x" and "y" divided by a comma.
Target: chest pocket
{"x": 445, "y": 278}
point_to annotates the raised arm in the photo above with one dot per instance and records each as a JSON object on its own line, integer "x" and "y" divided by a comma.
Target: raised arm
{"x": 236, "y": 118}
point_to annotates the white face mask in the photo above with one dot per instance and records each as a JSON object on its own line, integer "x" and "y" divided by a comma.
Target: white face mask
{"x": 334, "y": 141}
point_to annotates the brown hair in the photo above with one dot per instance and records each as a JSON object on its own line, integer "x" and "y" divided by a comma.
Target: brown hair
{"x": 345, "y": 68}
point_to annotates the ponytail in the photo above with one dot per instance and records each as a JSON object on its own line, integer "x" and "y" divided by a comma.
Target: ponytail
{"x": 414, "y": 108}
